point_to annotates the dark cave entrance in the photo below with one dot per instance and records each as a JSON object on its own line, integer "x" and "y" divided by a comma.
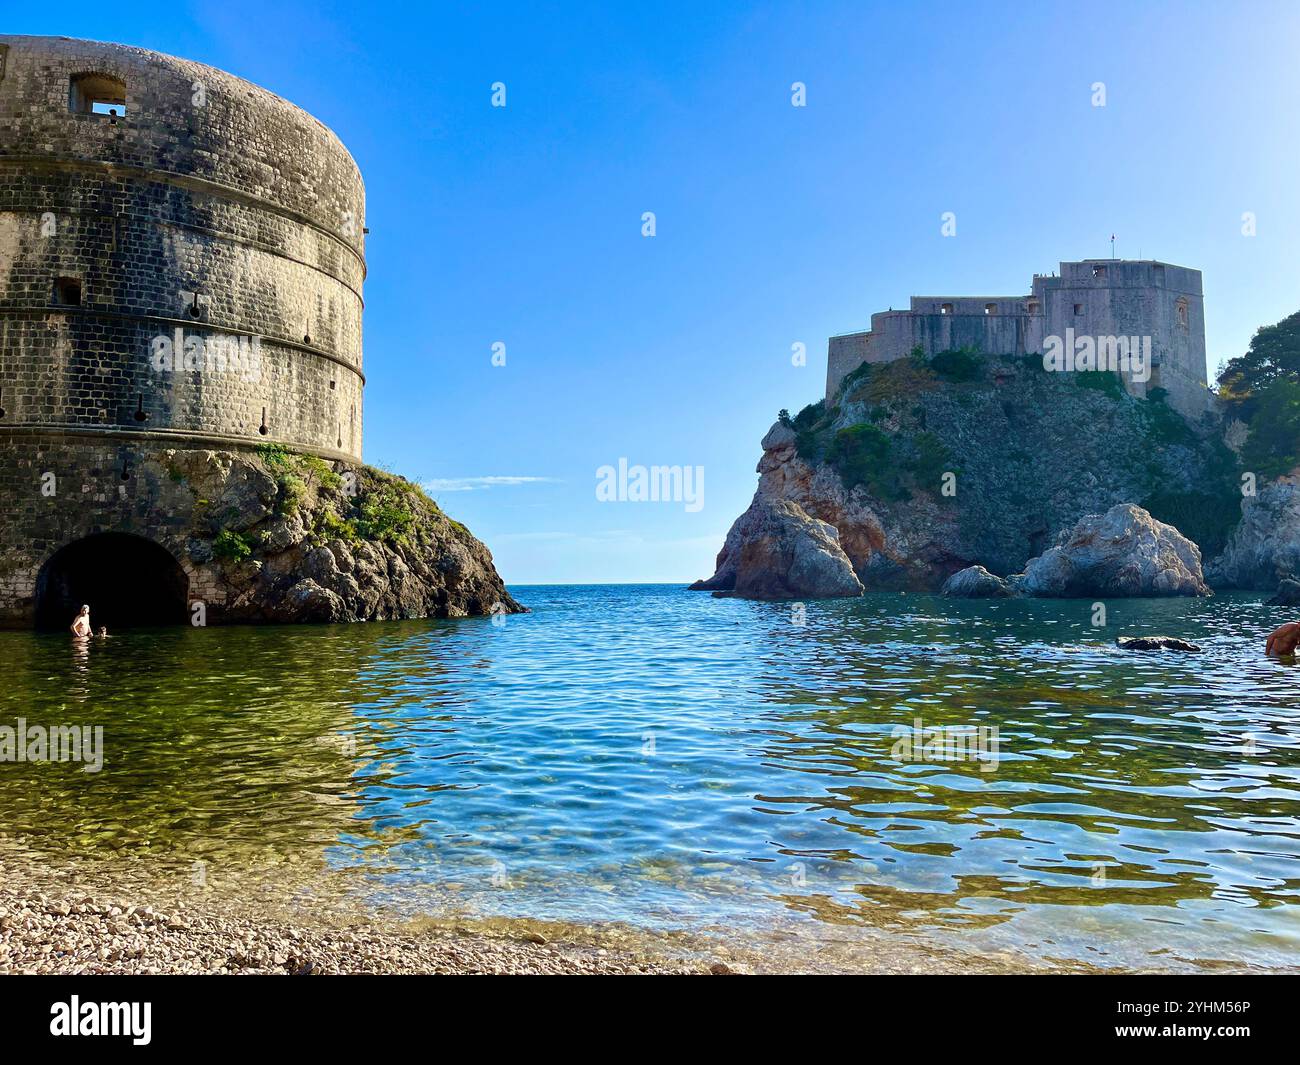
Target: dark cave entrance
{"x": 127, "y": 581}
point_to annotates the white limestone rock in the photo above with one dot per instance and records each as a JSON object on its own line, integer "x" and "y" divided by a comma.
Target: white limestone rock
{"x": 785, "y": 554}
{"x": 1124, "y": 552}
{"x": 1264, "y": 549}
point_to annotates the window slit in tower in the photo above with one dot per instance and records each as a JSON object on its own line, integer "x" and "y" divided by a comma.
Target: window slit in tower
{"x": 264, "y": 428}
{"x": 141, "y": 414}
{"x": 67, "y": 291}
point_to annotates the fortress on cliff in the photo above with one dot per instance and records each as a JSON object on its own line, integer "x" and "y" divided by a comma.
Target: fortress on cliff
{"x": 1093, "y": 298}
{"x": 181, "y": 262}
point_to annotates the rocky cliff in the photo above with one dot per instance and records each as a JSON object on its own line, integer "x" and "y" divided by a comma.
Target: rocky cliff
{"x": 285, "y": 537}
{"x": 927, "y": 466}
{"x": 1264, "y": 548}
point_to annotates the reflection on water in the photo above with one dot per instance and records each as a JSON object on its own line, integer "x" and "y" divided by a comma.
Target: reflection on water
{"x": 648, "y": 755}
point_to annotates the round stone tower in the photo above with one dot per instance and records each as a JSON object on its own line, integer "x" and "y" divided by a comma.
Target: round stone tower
{"x": 181, "y": 262}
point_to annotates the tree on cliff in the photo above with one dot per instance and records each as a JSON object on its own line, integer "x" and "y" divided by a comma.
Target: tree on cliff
{"x": 1262, "y": 388}
{"x": 1274, "y": 354}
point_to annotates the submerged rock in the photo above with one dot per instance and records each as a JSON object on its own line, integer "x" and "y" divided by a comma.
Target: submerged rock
{"x": 1124, "y": 552}
{"x": 975, "y": 582}
{"x": 1288, "y": 594}
{"x": 785, "y": 554}
{"x": 1154, "y": 643}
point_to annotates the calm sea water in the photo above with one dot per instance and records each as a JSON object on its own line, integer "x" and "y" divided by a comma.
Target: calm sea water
{"x": 662, "y": 758}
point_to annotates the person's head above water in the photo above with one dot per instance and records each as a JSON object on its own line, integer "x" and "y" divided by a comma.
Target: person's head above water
{"x": 85, "y": 610}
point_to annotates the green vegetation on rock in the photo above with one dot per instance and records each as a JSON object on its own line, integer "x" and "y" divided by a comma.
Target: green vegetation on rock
{"x": 1273, "y": 446}
{"x": 232, "y": 546}
{"x": 385, "y": 514}
{"x": 1031, "y": 451}
{"x": 958, "y": 366}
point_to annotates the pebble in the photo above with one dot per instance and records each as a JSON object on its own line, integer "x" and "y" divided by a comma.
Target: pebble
{"x": 88, "y": 935}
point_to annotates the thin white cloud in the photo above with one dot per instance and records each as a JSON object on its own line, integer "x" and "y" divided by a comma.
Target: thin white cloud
{"x": 476, "y": 484}
{"x": 613, "y": 538}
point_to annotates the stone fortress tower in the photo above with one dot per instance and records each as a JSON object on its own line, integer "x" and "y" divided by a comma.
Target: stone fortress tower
{"x": 1093, "y": 297}
{"x": 181, "y": 262}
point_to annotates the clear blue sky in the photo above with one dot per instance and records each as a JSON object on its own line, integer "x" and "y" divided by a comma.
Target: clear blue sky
{"x": 775, "y": 224}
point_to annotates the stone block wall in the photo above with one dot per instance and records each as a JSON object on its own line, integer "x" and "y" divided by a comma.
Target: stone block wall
{"x": 211, "y": 207}
{"x": 1094, "y": 297}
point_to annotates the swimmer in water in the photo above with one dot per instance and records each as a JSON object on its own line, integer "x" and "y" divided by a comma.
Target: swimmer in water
{"x": 1282, "y": 642}
{"x": 81, "y": 623}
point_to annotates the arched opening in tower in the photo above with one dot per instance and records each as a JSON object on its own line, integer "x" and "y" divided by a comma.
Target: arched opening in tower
{"x": 127, "y": 581}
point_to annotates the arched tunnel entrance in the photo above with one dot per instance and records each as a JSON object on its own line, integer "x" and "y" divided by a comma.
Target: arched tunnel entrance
{"x": 126, "y": 580}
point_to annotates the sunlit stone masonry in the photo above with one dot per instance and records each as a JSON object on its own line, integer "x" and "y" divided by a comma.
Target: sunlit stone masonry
{"x": 181, "y": 263}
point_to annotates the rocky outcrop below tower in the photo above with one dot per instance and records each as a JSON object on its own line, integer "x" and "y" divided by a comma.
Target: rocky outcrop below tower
{"x": 928, "y": 466}
{"x": 264, "y": 535}
{"x": 288, "y": 538}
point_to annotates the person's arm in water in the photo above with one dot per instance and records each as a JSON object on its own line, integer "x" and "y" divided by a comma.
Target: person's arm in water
{"x": 1282, "y": 641}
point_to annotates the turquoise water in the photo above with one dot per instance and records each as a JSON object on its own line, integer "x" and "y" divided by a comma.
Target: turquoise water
{"x": 674, "y": 761}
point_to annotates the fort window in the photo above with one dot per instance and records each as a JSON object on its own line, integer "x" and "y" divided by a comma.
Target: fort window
{"x": 67, "y": 291}
{"x": 945, "y": 308}
{"x": 1032, "y": 307}
{"x": 97, "y": 94}
{"x": 1181, "y": 306}
{"x": 1099, "y": 271}
{"x": 990, "y": 308}
{"x": 1078, "y": 309}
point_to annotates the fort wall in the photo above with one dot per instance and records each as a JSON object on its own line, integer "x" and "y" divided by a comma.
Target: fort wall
{"x": 1093, "y": 297}
{"x": 205, "y": 205}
